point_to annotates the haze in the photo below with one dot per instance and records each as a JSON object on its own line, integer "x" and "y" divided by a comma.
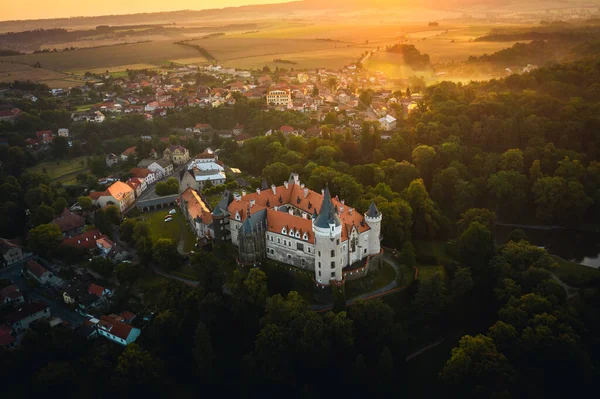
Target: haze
{"x": 37, "y": 9}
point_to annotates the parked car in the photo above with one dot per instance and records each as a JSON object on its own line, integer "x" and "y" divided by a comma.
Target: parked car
{"x": 168, "y": 219}
{"x": 172, "y": 211}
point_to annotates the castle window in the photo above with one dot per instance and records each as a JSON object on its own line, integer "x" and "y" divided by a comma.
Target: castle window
{"x": 338, "y": 241}
{"x": 297, "y": 234}
{"x": 283, "y": 231}
{"x": 333, "y": 274}
{"x": 291, "y": 232}
{"x": 365, "y": 250}
{"x": 289, "y": 243}
{"x": 278, "y": 240}
{"x": 319, "y": 265}
{"x": 303, "y": 262}
{"x": 289, "y": 257}
{"x": 333, "y": 264}
{"x": 319, "y": 274}
{"x": 319, "y": 253}
{"x": 305, "y": 237}
{"x": 333, "y": 253}
{"x": 300, "y": 246}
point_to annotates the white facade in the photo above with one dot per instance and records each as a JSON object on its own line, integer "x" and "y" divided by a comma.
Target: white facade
{"x": 279, "y": 97}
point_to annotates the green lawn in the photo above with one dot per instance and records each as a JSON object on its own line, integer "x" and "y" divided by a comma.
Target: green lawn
{"x": 84, "y": 107}
{"x": 574, "y": 274}
{"x": 426, "y": 271}
{"x": 373, "y": 281}
{"x": 161, "y": 229}
{"x": 64, "y": 169}
{"x": 437, "y": 249}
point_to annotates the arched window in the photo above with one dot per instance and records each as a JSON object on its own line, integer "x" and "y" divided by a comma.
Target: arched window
{"x": 333, "y": 253}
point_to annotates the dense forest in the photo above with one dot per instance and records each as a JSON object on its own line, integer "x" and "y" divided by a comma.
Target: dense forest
{"x": 523, "y": 149}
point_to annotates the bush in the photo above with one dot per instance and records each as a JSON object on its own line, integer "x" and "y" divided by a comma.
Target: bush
{"x": 170, "y": 187}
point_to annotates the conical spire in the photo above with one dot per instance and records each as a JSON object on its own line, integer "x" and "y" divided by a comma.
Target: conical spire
{"x": 373, "y": 212}
{"x": 247, "y": 226}
{"x": 327, "y": 215}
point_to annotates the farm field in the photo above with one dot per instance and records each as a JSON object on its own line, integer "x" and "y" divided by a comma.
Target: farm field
{"x": 63, "y": 171}
{"x": 101, "y": 58}
{"x": 10, "y": 72}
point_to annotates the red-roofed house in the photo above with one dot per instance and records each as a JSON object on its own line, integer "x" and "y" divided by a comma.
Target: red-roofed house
{"x": 86, "y": 240}
{"x": 11, "y": 294}
{"x": 9, "y": 114}
{"x": 287, "y": 130}
{"x": 104, "y": 245}
{"x": 38, "y": 272}
{"x": 138, "y": 185}
{"x": 70, "y": 224}
{"x": 6, "y": 338}
{"x": 11, "y": 252}
{"x": 99, "y": 291}
{"x": 197, "y": 213}
{"x": 115, "y": 329}
{"x": 146, "y": 174}
{"x": 129, "y": 152}
{"x": 26, "y": 314}
{"x": 119, "y": 194}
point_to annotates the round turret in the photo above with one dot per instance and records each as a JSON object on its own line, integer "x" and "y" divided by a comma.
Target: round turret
{"x": 373, "y": 218}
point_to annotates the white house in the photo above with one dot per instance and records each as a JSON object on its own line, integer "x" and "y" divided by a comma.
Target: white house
{"x": 115, "y": 329}
{"x": 388, "y": 123}
{"x": 63, "y": 132}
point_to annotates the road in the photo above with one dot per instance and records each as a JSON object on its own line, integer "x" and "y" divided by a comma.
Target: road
{"x": 57, "y": 308}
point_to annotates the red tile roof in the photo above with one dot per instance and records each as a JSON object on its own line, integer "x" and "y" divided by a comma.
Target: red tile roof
{"x": 36, "y": 269}
{"x": 196, "y": 208}
{"x": 5, "y": 337}
{"x": 25, "y": 310}
{"x": 11, "y": 292}
{"x": 129, "y": 151}
{"x": 116, "y": 327}
{"x": 128, "y": 316}
{"x": 96, "y": 290}
{"x": 140, "y": 172}
{"x": 86, "y": 240}
{"x": 67, "y": 221}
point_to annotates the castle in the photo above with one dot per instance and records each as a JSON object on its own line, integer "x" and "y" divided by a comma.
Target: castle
{"x": 299, "y": 227}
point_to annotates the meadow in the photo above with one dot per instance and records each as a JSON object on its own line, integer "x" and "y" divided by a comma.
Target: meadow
{"x": 64, "y": 170}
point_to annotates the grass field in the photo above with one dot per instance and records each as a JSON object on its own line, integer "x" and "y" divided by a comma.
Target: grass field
{"x": 574, "y": 274}
{"x": 172, "y": 230}
{"x": 380, "y": 279}
{"x": 10, "y": 72}
{"x": 63, "y": 170}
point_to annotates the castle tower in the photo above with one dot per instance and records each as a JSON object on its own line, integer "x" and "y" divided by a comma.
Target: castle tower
{"x": 327, "y": 228}
{"x": 373, "y": 218}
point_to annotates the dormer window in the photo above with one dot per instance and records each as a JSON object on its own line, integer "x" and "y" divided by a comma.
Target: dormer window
{"x": 284, "y": 231}
{"x": 291, "y": 232}
{"x": 297, "y": 234}
{"x": 237, "y": 216}
{"x": 305, "y": 237}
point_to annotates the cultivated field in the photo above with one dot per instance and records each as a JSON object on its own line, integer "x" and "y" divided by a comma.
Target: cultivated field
{"x": 10, "y": 72}
{"x": 102, "y": 58}
{"x": 61, "y": 171}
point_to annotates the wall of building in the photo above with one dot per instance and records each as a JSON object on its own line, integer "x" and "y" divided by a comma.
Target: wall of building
{"x": 284, "y": 249}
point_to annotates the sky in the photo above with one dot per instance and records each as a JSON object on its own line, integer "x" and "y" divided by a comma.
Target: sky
{"x": 42, "y": 9}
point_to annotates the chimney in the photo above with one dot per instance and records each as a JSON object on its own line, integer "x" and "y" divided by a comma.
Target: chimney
{"x": 350, "y": 210}
{"x": 322, "y": 191}
{"x": 237, "y": 196}
{"x": 343, "y": 202}
{"x": 291, "y": 211}
{"x": 252, "y": 202}
{"x": 285, "y": 183}
{"x": 302, "y": 185}
{"x": 341, "y": 208}
{"x": 305, "y": 192}
{"x": 258, "y": 191}
{"x": 274, "y": 189}
{"x": 243, "y": 193}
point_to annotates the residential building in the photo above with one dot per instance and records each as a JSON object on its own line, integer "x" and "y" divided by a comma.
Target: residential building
{"x": 138, "y": 185}
{"x": 115, "y": 329}
{"x": 163, "y": 166}
{"x": 63, "y": 132}
{"x": 279, "y": 97}
{"x": 197, "y": 212}
{"x": 128, "y": 153}
{"x": 37, "y": 271}
{"x": 27, "y": 313}
{"x": 296, "y": 226}
{"x": 86, "y": 240}
{"x": 146, "y": 175}
{"x": 11, "y": 252}
{"x": 111, "y": 159}
{"x": 99, "y": 291}
{"x": 118, "y": 193}
{"x": 70, "y": 223}
{"x": 104, "y": 245}
{"x": 9, "y": 113}
{"x": 198, "y": 174}
{"x": 177, "y": 154}
{"x": 387, "y": 123}
{"x": 11, "y": 294}
{"x": 6, "y": 338}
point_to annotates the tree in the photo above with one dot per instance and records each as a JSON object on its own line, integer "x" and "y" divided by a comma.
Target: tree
{"x": 512, "y": 160}
{"x": 408, "y": 256}
{"x": 476, "y": 248}
{"x": 55, "y": 376}
{"x": 59, "y": 205}
{"x": 424, "y": 157}
{"x": 138, "y": 373}
{"x": 44, "y": 239}
{"x": 483, "y": 216}
{"x": 128, "y": 272}
{"x": 203, "y": 352}
{"x": 60, "y": 147}
{"x": 339, "y": 297}
{"x": 113, "y": 214}
{"x": 42, "y": 214}
{"x": 165, "y": 253}
{"x": 510, "y": 189}
{"x": 476, "y": 367}
{"x": 431, "y": 299}
{"x": 141, "y": 230}
{"x": 169, "y": 187}
{"x": 428, "y": 222}
{"x": 102, "y": 266}
{"x": 85, "y": 203}
{"x": 143, "y": 249}
{"x": 560, "y": 200}
{"x": 102, "y": 222}
{"x": 276, "y": 173}
{"x": 126, "y": 230}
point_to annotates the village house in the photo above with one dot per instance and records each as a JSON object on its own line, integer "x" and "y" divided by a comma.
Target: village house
{"x": 104, "y": 245}
{"x": 117, "y": 330}
{"x": 27, "y": 313}
{"x": 177, "y": 154}
{"x": 146, "y": 175}
{"x": 11, "y": 252}
{"x": 111, "y": 159}
{"x": 279, "y": 97}
{"x": 118, "y": 193}
{"x": 8, "y": 113}
{"x": 387, "y": 123}
{"x": 63, "y": 132}
{"x": 198, "y": 214}
{"x": 198, "y": 174}
{"x": 138, "y": 185}
{"x": 70, "y": 223}
{"x": 11, "y": 294}
{"x": 6, "y": 338}
{"x": 86, "y": 240}
{"x": 128, "y": 153}
{"x": 37, "y": 271}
